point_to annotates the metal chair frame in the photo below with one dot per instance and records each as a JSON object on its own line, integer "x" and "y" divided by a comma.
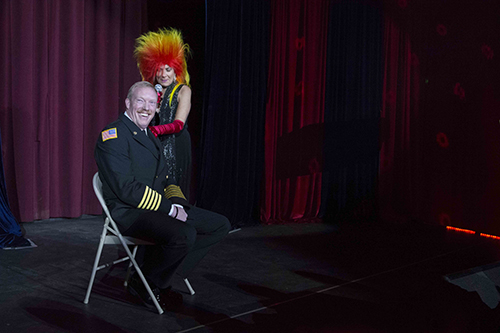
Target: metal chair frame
{"x": 111, "y": 235}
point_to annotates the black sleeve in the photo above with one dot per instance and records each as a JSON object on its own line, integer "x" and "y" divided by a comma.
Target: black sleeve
{"x": 114, "y": 164}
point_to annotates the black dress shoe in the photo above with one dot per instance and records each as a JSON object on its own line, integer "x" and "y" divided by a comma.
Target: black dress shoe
{"x": 136, "y": 288}
{"x": 171, "y": 299}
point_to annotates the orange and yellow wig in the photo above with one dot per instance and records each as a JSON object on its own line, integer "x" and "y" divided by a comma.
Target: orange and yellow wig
{"x": 165, "y": 47}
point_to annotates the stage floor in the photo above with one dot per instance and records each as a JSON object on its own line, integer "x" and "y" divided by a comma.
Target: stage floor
{"x": 282, "y": 278}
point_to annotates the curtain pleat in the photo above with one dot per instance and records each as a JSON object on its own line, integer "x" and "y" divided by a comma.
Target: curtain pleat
{"x": 66, "y": 68}
{"x": 10, "y": 231}
{"x": 294, "y": 111}
{"x": 400, "y": 146}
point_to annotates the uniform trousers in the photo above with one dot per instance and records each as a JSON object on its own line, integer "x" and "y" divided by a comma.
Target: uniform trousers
{"x": 179, "y": 246}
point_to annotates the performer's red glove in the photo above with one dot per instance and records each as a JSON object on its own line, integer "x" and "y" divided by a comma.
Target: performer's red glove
{"x": 174, "y": 127}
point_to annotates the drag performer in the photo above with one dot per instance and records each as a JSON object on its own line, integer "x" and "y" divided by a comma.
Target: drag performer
{"x": 161, "y": 58}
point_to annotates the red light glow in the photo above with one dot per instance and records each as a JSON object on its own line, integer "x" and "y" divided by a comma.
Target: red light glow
{"x": 467, "y": 231}
{"x": 489, "y": 236}
{"x": 442, "y": 140}
{"x": 461, "y": 230}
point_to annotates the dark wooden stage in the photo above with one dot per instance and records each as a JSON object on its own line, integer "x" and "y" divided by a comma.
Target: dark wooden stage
{"x": 282, "y": 278}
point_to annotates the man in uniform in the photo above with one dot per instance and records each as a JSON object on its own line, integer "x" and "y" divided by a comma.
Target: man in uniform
{"x": 145, "y": 205}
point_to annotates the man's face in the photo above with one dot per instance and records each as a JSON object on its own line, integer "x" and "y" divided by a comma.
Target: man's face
{"x": 141, "y": 106}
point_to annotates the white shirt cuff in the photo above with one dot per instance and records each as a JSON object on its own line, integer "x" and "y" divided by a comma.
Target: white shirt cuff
{"x": 174, "y": 209}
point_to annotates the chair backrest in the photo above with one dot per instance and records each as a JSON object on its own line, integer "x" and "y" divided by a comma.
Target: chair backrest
{"x": 113, "y": 228}
{"x": 96, "y": 181}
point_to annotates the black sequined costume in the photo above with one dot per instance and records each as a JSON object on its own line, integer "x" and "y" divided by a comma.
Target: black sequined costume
{"x": 176, "y": 147}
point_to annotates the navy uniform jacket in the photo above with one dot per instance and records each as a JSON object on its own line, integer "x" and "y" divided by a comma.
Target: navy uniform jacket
{"x": 132, "y": 170}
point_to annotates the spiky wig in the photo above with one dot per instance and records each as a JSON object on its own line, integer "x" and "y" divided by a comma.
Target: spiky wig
{"x": 165, "y": 47}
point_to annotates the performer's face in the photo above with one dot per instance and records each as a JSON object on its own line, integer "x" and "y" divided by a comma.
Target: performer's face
{"x": 165, "y": 75}
{"x": 141, "y": 106}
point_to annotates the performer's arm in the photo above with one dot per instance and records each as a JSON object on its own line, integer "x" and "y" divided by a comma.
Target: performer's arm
{"x": 181, "y": 114}
{"x": 184, "y": 107}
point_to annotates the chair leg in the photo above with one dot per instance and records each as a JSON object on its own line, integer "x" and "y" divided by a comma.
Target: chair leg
{"x": 130, "y": 266}
{"x": 188, "y": 285}
{"x": 143, "y": 279}
{"x": 96, "y": 263}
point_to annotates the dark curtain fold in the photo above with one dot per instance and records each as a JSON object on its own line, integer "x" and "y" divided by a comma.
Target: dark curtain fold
{"x": 294, "y": 111}
{"x": 10, "y": 231}
{"x": 352, "y": 111}
{"x": 236, "y": 62}
{"x": 66, "y": 66}
{"x": 400, "y": 157}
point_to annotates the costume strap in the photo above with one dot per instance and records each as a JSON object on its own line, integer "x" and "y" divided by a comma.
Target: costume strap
{"x": 172, "y": 94}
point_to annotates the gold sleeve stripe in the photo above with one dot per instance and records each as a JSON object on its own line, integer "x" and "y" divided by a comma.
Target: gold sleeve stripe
{"x": 151, "y": 200}
{"x": 143, "y": 198}
{"x": 174, "y": 191}
{"x": 158, "y": 201}
{"x": 154, "y": 201}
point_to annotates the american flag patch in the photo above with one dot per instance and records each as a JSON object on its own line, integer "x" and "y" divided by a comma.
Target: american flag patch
{"x": 109, "y": 134}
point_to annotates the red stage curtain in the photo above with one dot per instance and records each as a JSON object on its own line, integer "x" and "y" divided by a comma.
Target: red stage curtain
{"x": 400, "y": 158}
{"x": 295, "y": 111}
{"x": 65, "y": 67}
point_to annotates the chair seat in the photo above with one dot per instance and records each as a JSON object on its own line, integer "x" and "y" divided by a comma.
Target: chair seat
{"x": 111, "y": 239}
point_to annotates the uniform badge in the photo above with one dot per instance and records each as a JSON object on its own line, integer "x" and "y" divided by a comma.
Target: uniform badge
{"x": 109, "y": 134}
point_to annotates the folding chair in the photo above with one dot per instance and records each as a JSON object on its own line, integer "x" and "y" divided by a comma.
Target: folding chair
{"x": 111, "y": 235}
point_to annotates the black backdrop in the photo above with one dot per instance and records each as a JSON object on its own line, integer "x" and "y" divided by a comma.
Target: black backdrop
{"x": 229, "y": 40}
{"x": 236, "y": 67}
{"x": 352, "y": 111}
